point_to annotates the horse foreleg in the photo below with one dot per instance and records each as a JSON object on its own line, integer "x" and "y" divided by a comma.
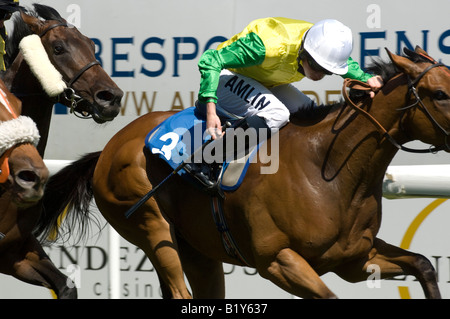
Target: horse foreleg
{"x": 293, "y": 273}
{"x": 32, "y": 265}
{"x": 161, "y": 248}
{"x": 205, "y": 275}
{"x": 393, "y": 261}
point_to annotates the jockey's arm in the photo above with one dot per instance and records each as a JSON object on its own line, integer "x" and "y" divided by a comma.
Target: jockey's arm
{"x": 246, "y": 51}
{"x": 355, "y": 72}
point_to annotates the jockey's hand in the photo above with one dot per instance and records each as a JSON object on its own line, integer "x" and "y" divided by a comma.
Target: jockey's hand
{"x": 213, "y": 125}
{"x": 376, "y": 83}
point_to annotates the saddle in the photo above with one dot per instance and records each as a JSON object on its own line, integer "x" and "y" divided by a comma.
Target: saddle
{"x": 177, "y": 138}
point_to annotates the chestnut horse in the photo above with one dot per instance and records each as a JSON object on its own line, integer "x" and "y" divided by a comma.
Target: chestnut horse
{"x": 320, "y": 212}
{"x": 50, "y": 61}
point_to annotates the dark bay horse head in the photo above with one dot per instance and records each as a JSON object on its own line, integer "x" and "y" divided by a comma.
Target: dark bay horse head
{"x": 69, "y": 70}
{"x": 23, "y": 173}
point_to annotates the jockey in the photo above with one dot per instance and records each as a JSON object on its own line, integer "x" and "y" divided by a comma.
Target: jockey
{"x": 7, "y": 8}
{"x": 250, "y": 75}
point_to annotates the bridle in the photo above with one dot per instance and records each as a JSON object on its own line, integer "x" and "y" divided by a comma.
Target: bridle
{"x": 69, "y": 93}
{"x": 358, "y": 85}
{"x": 412, "y": 89}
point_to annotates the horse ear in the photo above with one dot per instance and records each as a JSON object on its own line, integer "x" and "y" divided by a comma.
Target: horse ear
{"x": 424, "y": 55}
{"x": 404, "y": 64}
{"x": 33, "y": 23}
{"x": 419, "y": 50}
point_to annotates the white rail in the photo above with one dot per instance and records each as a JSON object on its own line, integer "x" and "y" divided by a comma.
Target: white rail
{"x": 55, "y": 165}
{"x": 424, "y": 181}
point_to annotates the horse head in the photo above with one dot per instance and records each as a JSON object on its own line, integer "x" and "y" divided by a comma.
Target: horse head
{"x": 427, "y": 115}
{"x": 22, "y": 170}
{"x": 85, "y": 86}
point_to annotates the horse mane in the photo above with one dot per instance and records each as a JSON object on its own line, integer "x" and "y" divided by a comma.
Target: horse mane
{"x": 21, "y": 29}
{"x": 387, "y": 70}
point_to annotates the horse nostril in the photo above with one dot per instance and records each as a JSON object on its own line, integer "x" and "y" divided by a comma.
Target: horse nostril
{"x": 28, "y": 176}
{"x": 29, "y": 185}
{"x": 105, "y": 96}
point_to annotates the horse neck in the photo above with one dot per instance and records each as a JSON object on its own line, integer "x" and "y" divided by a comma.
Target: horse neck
{"x": 35, "y": 102}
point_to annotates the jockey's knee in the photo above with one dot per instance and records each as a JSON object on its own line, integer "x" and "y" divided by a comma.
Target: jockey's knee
{"x": 277, "y": 118}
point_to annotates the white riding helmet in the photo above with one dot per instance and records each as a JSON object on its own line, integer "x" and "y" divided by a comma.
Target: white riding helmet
{"x": 329, "y": 43}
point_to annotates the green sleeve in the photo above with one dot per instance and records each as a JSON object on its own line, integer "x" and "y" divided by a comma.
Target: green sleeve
{"x": 244, "y": 52}
{"x": 355, "y": 72}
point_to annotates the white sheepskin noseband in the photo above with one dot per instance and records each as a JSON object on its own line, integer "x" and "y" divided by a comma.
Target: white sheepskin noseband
{"x": 18, "y": 131}
{"x": 35, "y": 55}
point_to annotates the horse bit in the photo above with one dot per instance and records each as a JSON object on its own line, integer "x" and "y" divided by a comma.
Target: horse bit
{"x": 411, "y": 89}
{"x": 69, "y": 93}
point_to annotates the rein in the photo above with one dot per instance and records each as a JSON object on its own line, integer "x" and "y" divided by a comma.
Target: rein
{"x": 358, "y": 85}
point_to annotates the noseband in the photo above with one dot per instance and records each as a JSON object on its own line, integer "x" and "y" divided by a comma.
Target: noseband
{"x": 412, "y": 89}
{"x": 348, "y": 83}
{"x": 69, "y": 93}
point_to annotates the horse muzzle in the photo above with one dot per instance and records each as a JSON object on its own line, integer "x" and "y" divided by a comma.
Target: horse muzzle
{"x": 107, "y": 104}
{"x": 103, "y": 107}
{"x": 28, "y": 185}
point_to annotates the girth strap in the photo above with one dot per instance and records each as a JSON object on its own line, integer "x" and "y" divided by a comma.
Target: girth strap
{"x": 227, "y": 239}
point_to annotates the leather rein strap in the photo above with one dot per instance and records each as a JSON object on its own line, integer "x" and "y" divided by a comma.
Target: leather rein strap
{"x": 361, "y": 86}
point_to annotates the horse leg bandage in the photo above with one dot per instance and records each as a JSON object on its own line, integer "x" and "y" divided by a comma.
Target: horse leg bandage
{"x": 36, "y": 57}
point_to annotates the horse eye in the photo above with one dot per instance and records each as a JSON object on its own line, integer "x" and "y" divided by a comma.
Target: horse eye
{"x": 58, "y": 49}
{"x": 440, "y": 95}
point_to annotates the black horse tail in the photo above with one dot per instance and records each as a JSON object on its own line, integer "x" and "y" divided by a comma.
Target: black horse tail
{"x": 67, "y": 201}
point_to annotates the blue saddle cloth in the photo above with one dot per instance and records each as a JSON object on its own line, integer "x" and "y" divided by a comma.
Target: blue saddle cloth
{"x": 175, "y": 139}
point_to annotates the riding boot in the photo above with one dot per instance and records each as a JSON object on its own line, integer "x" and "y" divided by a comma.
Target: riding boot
{"x": 228, "y": 148}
